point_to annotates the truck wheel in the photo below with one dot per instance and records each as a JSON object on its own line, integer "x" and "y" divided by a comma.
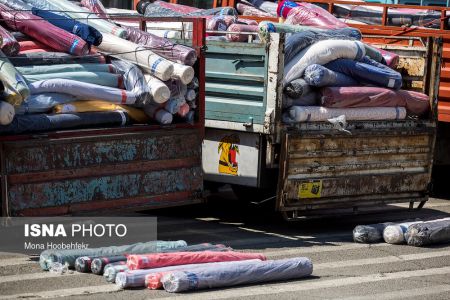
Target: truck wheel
{"x": 255, "y": 195}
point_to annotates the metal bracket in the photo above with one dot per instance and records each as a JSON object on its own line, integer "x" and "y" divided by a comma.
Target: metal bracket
{"x": 249, "y": 123}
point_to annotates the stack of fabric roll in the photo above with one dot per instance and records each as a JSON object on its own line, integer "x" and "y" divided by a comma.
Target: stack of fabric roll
{"x": 68, "y": 66}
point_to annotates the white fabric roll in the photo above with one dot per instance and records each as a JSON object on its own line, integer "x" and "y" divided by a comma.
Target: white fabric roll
{"x": 322, "y": 114}
{"x": 6, "y": 113}
{"x": 184, "y": 73}
{"x": 148, "y": 60}
{"x": 159, "y": 91}
{"x": 190, "y": 95}
{"x": 158, "y": 114}
{"x": 395, "y": 234}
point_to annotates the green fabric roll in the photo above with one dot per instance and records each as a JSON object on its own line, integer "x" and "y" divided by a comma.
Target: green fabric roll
{"x": 13, "y": 81}
{"x": 100, "y": 78}
{"x": 47, "y": 69}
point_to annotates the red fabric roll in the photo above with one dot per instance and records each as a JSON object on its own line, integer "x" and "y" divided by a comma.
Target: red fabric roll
{"x": 44, "y": 32}
{"x": 348, "y": 97}
{"x": 390, "y": 58}
{"x": 240, "y": 28}
{"x": 34, "y": 51}
{"x": 31, "y": 45}
{"x": 312, "y": 15}
{"x": 157, "y": 260}
{"x": 10, "y": 45}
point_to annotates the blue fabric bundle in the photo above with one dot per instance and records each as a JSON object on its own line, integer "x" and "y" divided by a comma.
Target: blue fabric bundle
{"x": 317, "y": 75}
{"x": 88, "y": 33}
{"x": 367, "y": 71}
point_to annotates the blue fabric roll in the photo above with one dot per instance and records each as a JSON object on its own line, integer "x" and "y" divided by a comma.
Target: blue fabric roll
{"x": 317, "y": 75}
{"x": 88, "y": 33}
{"x": 41, "y": 103}
{"x": 367, "y": 71}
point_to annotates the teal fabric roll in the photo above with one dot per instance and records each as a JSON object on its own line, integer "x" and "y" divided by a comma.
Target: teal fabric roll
{"x": 48, "y": 69}
{"x": 100, "y": 78}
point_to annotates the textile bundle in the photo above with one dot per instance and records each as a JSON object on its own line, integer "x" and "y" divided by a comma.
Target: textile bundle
{"x": 428, "y": 233}
{"x": 371, "y": 233}
{"x": 9, "y": 45}
{"x": 98, "y": 264}
{"x": 111, "y": 270}
{"x": 97, "y": 7}
{"x": 395, "y": 233}
{"x": 13, "y": 81}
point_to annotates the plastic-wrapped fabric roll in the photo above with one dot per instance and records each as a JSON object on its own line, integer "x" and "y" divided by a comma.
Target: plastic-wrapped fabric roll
{"x": 7, "y": 113}
{"x": 309, "y": 99}
{"x": 216, "y": 23}
{"x": 177, "y": 89}
{"x": 41, "y": 103}
{"x": 184, "y": 9}
{"x": 48, "y": 257}
{"x": 174, "y": 105}
{"x": 158, "y": 113}
{"x": 148, "y": 60}
{"x": 236, "y": 37}
{"x": 100, "y": 78}
{"x": 37, "y": 59}
{"x": 247, "y": 10}
{"x": 83, "y": 90}
{"x": 183, "y": 110}
{"x": 42, "y": 122}
{"x": 161, "y": 46}
{"x": 297, "y": 88}
{"x": 322, "y": 53}
{"x": 343, "y": 97}
{"x": 371, "y": 233}
{"x": 96, "y": 7}
{"x": 83, "y": 264}
{"x": 45, "y": 69}
{"x": 237, "y": 274}
{"x": 158, "y": 90}
{"x": 43, "y": 31}
{"x": 194, "y": 84}
{"x": 98, "y": 264}
{"x": 322, "y": 114}
{"x": 367, "y": 71}
{"x": 267, "y": 6}
{"x": 88, "y": 33}
{"x": 395, "y": 234}
{"x": 111, "y": 270}
{"x": 182, "y": 258}
{"x": 137, "y": 115}
{"x": 134, "y": 81}
{"x": 10, "y": 46}
{"x": 13, "y": 81}
{"x": 183, "y": 73}
{"x": 190, "y": 95}
{"x": 428, "y": 233}
{"x": 319, "y": 76}
{"x": 390, "y": 58}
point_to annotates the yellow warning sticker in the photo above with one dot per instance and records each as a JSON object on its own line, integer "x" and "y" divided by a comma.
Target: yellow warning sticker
{"x": 310, "y": 189}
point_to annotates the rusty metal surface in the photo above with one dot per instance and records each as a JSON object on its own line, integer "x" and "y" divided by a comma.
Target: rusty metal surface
{"x": 135, "y": 170}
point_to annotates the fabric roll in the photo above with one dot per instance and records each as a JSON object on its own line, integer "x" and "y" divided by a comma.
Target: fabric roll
{"x": 322, "y": 53}
{"x": 216, "y": 23}
{"x": 183, "y": 110}
{"x": 238, "y": 274}
{"x": 219, "y": 11}
{"x": 161, "y": 46}
{"x": 135, "y": 114}
{"x": 43, "y": 122}
{"x": 88, "y": 33}
{"x": 319, "y": 76}
{"x": 98, "y": 264}
{"x": 111, "y": 270}
{"x": 184, "y": 9}
{"x": 367, "y": 71}
{"x": 158, "y": 113}
{"x": 158, "y": 90}
{"x": 428, "y": 233}
{"x": 43, "y": 102}
{"x": 7, "y": 113}
{"x": 297, "y": 88}
{"x": 45, "y": 69}
{"x": 194, "y": 84}
{"x": 9, "y": 46}
{"x": 308, "y": 14}
{"x": 37, "y": 59}
{"x": 267, "y": 6}
{"x": 148, "y": 60}
{"x": 182, "y": 258}
{"x": 309, "y": 99}
{"x": 13, "y": 81}
{"x": 371, "y": 233}
{"x": 99, "y": 78}
{"x": 96, "y": 7}
{"x": 177, "y": 89}
{"x": 48, "y": 257}
{"x": 395, "y": 234}
{"x": 83, "y": 90}
{"x": 343, "y": 97}
{"x": 190, "y": 95}
{"x": 322, "y": 114}
{"x": 239, "y": 37}
{"x": 183, "y": 73}
{"x": 374, "y": 54}
{"x": 390, "y": 58}
{"x": 174, "y": 105}
{"x": 83, "y": 264}
{"x": 247, "y": 10}
{"x": 32, "y": 45}
{"x": 46, "y": 33}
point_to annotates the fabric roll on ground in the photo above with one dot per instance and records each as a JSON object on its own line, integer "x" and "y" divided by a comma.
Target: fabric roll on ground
{"x": 428, "y": 233}
{"x": 161, "y": 46}
{"x": 60, "y": 68}
{"x": 395, "y": 233}
{"x": 238, "y": 37}
{"x": 322, "y": 53}
{"x": 83, "y": 90}
{"x": 43, "y": 102}
{"x": 111, "y": 270}
{"x": 159, "y": 91}
{"x": 99, "y": 78}
{"x": 371, "y": 233}
{"x": 158, "y": 113}
{"x": 319, "y": 76}
{"x": 6, "y": 113}
{"x": 48, "y": 257}
{"x": 238, "y": 274}
{"x": 148, "y": 60}
{"x": 137, "y": 115}
{"x": 96, "y": 7}
{"x": 343, "y": 97}
{"x": 309, "y": 99}
{"x": 43, "y": 122}
{"x": 13, "y": 81}
{"x": 83, "y": 264}
{"x": 181, "y": 258}
{"x": 322, "y": 114}
{"x": 297, "y": 88}
{"x": 37, "y": 59}
{"x": 9, "y": 44}
{"x": 43, "y": 31}
{"x": 98, "y": 264}
{"x": 367, "y": 71}
{"x": 88, "y": 33}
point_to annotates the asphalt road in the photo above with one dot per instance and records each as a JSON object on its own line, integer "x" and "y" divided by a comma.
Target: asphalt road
{"x": 342, "y": 269}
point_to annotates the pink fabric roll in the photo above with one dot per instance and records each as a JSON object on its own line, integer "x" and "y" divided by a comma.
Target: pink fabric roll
{"x": 10, "y": 45}
{"x": 247, "y": 10}
{"x": 43, "y": 31}
{"x": 96, "y": 7}
{"x": 216, "y": 24}
{"x": 157, "y": 260}
{"x": 308, "y": 14}
{"x": 390, "y": 58}
{"x": 153, "y": 280}
{"x": 240, "y": 28}
{"x": 36, "y": 50}
{"x": 32, "y": 45}
{"x": 183, "y": 111}
{"x": 349, "y": 97}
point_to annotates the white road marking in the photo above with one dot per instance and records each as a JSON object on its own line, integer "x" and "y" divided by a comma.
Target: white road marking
{"x": 34, "y": 276}
{"x": 402, "y": 294}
